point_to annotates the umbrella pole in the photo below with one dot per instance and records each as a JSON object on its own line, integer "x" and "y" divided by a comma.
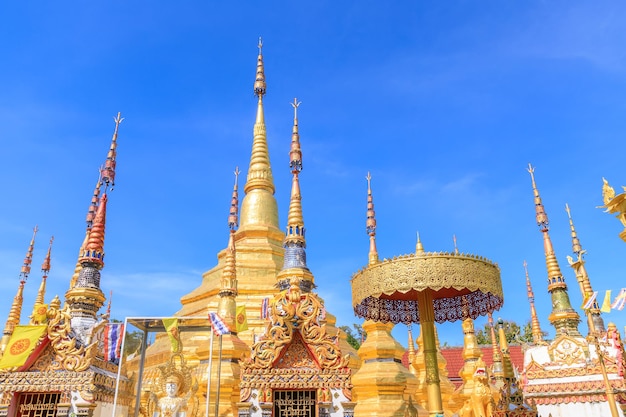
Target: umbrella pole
{"x": 427, "y": 320}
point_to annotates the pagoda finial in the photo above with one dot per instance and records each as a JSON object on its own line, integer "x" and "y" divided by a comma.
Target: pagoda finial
{"x": 227, "y": 307}
{"x": 259, "y": 82}
{"x": 498, "y": 371}
{"x": 295, "y": 266}
{"x": 295, "y": 154}
{"x": 411, "y": 345}
{"x": 16, "y": 307}
{"x": 28, "y": 260}
{"x": 233, "y": 217}
{"x": 597, "y": 323}
{"x": 45, "y": 269}
{"x": 542, "y": 217}
{"x": 419, "y": 248}
{"x": 295, "y": 221}
{"x": 259, "y": 172}
{"x": 108, "y": 313}
{"x": 107, "y": 172}
{"x": 534, "y": 320}
{"x": 563, "y": 317}
{"x": 507, "y": 366}
{"x": 456, "y": 249}
{"x": 370, "y": 222}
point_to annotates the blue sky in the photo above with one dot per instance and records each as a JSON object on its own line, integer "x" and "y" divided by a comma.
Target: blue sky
{"x": 445, "y": 103}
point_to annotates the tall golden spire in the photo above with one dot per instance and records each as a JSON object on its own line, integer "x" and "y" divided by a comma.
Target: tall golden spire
{"x": 534, "y": 320}
{"x": 411, "y": 350}
{"x": 85, "y": 296}
{"x": 507, "y": 366}
{"x": 259, "y": 206}
{"x": 295, "y": 242}
{"x": 227, "y": 307}
{"x": 370, "y": 222}
{"x": 498, "y": 371}
{"x": 16, "y": 308}
{"x": 583, "y": 278}
{"x": 295, "y": 221}
{"x": 41, "y": 293}
{"x": 563, "y": 317}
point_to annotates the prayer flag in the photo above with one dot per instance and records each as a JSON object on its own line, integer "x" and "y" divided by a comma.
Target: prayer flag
{"x": 606, "y": 304}
{"x": 620, "y": 300}
{"x": 40, "y": 313}
{"x": 113, "y": 333}
{"x": 590, "y": 298}
{"x": 171, "y": 327}
{"x": 21, "y": 345}
{"x": 265, "y": 308}
{"x": 218, "y": 325}
{"x": 241, "y": 319}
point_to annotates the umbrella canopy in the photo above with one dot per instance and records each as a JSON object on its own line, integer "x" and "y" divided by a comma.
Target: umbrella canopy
{"x": 462, "y": 286}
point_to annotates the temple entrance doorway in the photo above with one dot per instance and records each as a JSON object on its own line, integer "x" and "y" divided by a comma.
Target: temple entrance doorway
{"x": 37, "y": 404}
{"x": 300, "y": 403}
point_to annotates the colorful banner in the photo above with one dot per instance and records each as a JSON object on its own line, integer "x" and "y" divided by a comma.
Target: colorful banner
{"x": 606, "y": 304}
{"x": 21, "y": 345}
{"x": 589, "y": 300}
{"x": 620, "y": 300}
{"x": 40, "y": 313}
{"x": 171, "y": 327}
{"x": 241, "y": 320}
{"x": 113, "y": 333}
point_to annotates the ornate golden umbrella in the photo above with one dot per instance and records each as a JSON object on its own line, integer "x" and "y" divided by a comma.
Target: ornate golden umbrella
{"x": 425, "y": 287}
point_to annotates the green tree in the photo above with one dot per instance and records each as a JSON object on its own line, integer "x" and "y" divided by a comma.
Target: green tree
{"x": 512, "y": 331}
{"x": 354, "y": 337}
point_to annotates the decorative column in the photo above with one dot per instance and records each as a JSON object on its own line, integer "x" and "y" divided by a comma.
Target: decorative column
{"x": 427, "y": 320}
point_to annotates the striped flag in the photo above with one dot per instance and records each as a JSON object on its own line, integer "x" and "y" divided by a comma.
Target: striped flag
{"x": 113, "y": 333}
{"x": 620, "y": 300}
{"x": 265, "y": 308}
{"x": 590, "y": 298}
{"x": 218, "y": 325}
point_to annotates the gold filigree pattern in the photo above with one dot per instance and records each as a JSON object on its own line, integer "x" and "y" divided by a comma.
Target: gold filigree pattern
{"x": 464, "y": 286}
{"x": 296, "y": 352}
{"x": 69, "y": 355}
{"x": 288, "y": 317}
{"x": 536, "y": 371}
{"x": 567, "y": 350}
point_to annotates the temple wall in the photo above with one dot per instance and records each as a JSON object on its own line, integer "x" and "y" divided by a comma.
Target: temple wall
{"x": 576, "y": 409}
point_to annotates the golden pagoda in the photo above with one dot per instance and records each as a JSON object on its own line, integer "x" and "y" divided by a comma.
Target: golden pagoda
{"x": 289, "y": 334}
